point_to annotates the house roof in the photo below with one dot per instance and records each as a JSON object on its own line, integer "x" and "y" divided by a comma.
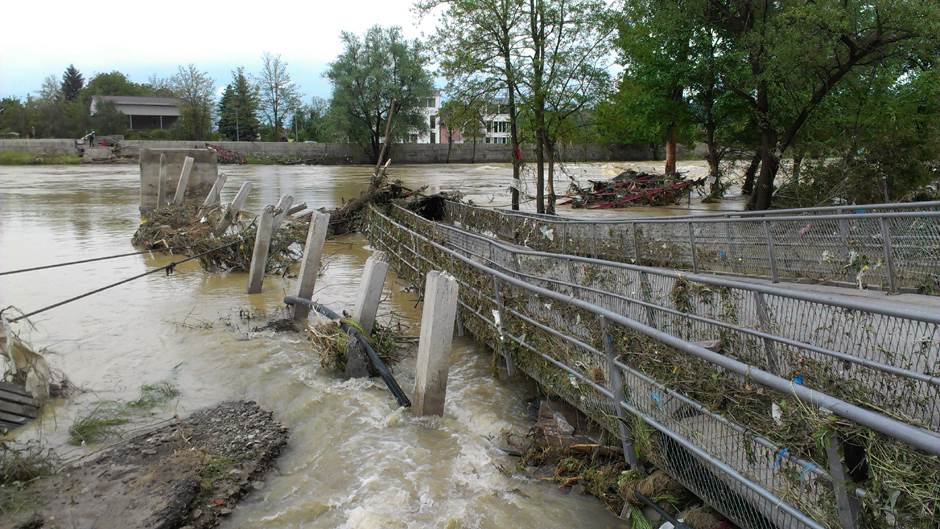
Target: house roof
{"x": 140, "y": 106}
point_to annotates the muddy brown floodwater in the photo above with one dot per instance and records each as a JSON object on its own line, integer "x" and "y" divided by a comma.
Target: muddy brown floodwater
{"x": 354, "y": 460}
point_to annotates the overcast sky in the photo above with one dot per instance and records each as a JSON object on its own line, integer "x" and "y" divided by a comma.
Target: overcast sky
{"x": 42, "y": 37}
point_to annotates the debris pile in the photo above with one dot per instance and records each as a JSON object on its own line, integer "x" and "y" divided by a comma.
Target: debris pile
{"x": 227, "y": 156}
{"x": 331, "y": 342}
{"x": 631, "y": 188}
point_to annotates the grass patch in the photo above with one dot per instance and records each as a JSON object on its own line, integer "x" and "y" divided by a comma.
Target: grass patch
{"x": 18, "y": 466}
{"x": 213, "y": 469}
{"x": 106, "y": 417}
{"x": 28, "y": 158}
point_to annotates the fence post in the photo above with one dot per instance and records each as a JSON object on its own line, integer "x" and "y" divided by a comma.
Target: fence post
{"x": 281, "y": 210}
{"x": 770, "y": 252}
{"x": 434, "y": 343}
{"x": 564, "y": 242}
{"x": 500, "y": 319}
{"x": 214, "y": 197}
{"x": 367, "y": 305}
{"x": 259, "y": 256}
{"x": 161, "y": 182}
{"x": 184, "y": 181}
{"x": 845, "y": 501}
{"x": 888, "y": 253}
{"x": 692, "y": 248}
{"x": 766, "y": 325}
{"x": 636, "y": 244}
{"x": 310, "y": 266}
{"x": 616, "y": 387}
{"x": 231, "y": 212}
{"x": 646, "y": 294}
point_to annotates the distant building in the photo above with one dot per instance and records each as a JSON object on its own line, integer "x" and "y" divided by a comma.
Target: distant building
{"x": 497, "y": 122}
{"x": 430, "y": 133}
{"x": 143, "y": 113}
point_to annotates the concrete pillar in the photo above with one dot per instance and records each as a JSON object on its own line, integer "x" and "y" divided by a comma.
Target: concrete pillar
{"x": 184, "y": 181}
{"x": 161, "y": 183}
{"x": 434, "y": 344}
{"x": 310, "y": 266}
{"x": 214, "y": 198}
{"x": 280, "y": 210}
{"x": 259, "y": 257}
{"x": 367, "y": 305}
{"x": 231, "y": 213}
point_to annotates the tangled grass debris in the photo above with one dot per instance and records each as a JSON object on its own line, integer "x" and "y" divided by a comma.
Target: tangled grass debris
{"x": 332, "y": 343}
{"x": 105, "y": 418}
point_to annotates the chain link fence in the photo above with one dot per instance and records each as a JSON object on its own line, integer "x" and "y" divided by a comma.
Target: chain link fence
{"x": 891, "y": 250}
{"x": 708, "y": 426}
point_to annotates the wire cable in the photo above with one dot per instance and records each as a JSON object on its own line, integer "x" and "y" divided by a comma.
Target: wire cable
{"x": 168, "y": 268}
{"x": 69, "y": 263}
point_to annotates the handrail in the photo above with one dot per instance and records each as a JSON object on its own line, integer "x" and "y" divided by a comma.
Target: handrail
{"x": 916, "y": 437}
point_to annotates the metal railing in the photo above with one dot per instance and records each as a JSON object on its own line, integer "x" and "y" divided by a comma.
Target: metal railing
{"x": 873, "y": 354}
{"x": 888, "y": 250}
{"x": 554, "y": 338}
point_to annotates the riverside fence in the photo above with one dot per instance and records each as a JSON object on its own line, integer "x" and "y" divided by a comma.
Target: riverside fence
{"x": 892, "y": 249}
{"x": 712, "y": 421}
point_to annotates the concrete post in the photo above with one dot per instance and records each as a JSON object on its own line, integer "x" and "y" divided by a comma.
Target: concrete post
{"x": 184, "y": 181}
{"x": 231, "y": 213}
{"x": 434, "y": 344}
{"x": 259, "y": 257}
{"x": 280, "y": 210}
{"x": 310, "y": 266}
{"x": 161, "y": 183}
{"x": 214, "y": 197}
{"x": 367, "y": 305}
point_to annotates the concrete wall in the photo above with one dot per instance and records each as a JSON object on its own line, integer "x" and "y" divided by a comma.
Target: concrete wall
{"x": 342, "y": 153}
{"x": 205, "y": 171}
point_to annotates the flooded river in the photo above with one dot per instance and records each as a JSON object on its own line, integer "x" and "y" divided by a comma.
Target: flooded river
{"x": 354, "y": 460}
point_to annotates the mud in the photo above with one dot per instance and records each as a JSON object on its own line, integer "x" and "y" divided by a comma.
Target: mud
{"x": 188, "y": 473}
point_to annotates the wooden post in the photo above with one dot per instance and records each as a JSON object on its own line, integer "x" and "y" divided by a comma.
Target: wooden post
{"x": 434, "y": 344}
{"x": 259, "y": 257}
{"x": 161, "y": 182}
{"x": 280, "y": 210}
{"x": 310, "y": 266}
{"x": 184, "y": 181}
{"x": 367, "y": 305}
{"x": 231, "y": 213}
{"x": 214, "y": 197}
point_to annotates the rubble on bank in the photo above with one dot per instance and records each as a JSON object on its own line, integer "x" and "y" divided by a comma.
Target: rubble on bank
{"x": 189, "y": 473}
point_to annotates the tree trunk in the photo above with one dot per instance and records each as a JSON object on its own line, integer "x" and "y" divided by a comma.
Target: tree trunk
{"x": 751, "y": 174}
{"x": 450, "y": 143}
{"x": 473, "y": 159}
{"x": 769, "y": 163}
{"x": 797, "y": 167}
{"x": 550, "y": 205}
{"x": 539, "y": 176}
{"x": 671, "y": 150}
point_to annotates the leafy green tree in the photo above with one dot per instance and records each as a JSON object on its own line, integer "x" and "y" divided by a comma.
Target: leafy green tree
{"x": 371, "y": 73}
{"x": 238, "y": 109}
{"x": 465, "y": 117}
{"x": 790, "y": 56}
{"x": 313, "y": 122}
{"x": 108, "y": 120}
{"x": 279, "y": 94}
{"x": 114, "y": 84}
{"x": 196, "y": 90}
{"x": 13, "y": 117}
{"x": 72, "y": 83}
{"x": 479, "y": 43}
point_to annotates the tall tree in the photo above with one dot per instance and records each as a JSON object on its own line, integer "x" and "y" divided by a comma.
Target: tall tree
{"x": 196, "y": 90}
{"x": 279, "y": 94}
{"x": 371, "y": 73}
{"x": 313, "y": 122}
{"x": 72, "y": 83}
{"x": 479, "y": 43}
{"x": 238, "y": 109}
{"x": 466, "y": 118}
{"x": 792, "y": 55}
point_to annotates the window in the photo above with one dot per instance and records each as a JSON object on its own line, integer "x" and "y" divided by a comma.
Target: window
{"x": 429, "y": 102}
{"x": 433, "y": 138}
{"x": 433, "y": 118}
{"x": 412, "y": 138}
{"x": 500, "y": 126}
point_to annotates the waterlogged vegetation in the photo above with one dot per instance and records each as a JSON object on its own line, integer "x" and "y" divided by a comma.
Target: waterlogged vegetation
{"x": 27, "y": 158}
{"x": 104, "y": 419}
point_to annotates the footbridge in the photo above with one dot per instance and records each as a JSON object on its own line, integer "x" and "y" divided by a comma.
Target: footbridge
{"x": 763, "y": 400}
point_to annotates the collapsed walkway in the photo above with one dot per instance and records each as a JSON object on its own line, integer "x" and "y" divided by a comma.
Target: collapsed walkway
{"x": 751, "y": 395}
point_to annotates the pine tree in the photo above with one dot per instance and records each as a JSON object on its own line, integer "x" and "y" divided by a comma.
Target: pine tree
{"x": 72, "y": 83}
{"x": 238, "y": 109}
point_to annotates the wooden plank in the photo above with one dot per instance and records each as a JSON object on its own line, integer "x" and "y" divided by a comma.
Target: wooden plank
{"x": 18, "y": 409}
{"x": 13, "y": 388}
{"x": 9, "y": 417}
{"x": 8, "y": 425}
{"x": 17, "y": 398}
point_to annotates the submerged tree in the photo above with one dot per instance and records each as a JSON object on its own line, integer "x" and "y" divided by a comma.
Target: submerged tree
{"x": 479, "y": 43}
{"x": 238, "y": 109}
{"x": 279, "y": 94}
{"x": 368, "y": 75}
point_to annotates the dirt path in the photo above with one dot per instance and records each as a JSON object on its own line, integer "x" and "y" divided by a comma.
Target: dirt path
{"x": 185, "y": 474}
